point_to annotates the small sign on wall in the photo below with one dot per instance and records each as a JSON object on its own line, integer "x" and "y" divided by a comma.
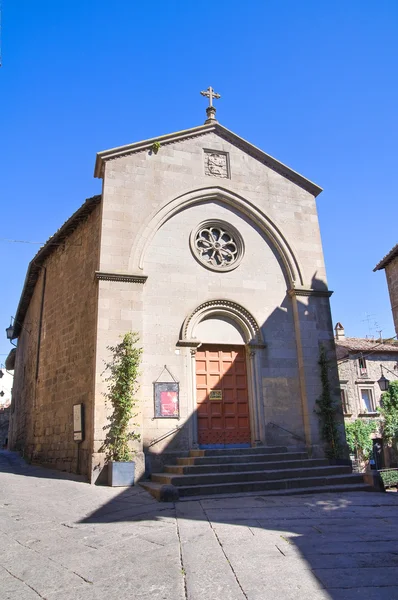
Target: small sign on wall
{"x": 78, "y": 422}
{"x": 167, "y": 402}
{"x": 215, "y": 395}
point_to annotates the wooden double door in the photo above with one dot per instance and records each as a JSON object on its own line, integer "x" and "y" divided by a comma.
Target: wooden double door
{"x": 222, "y": 396}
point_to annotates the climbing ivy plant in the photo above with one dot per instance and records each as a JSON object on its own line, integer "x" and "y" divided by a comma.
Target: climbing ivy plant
{"x": 327, "y": 409}
{"x": 122, "y": 379}
{"x": 389, "y": 413}
{"x": 358, "y": 434}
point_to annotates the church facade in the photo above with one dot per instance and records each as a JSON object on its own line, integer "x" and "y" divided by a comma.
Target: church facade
{"x": 210, "y": 249}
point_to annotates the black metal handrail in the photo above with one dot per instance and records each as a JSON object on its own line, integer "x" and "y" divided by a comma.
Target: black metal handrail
{"x": 164, "y": 436}
{"x": 287, "y": 431}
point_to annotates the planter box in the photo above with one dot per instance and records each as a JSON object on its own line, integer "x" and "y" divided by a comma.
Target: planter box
{"x": 389, "y": 477}
{"x": 121, "y": 474}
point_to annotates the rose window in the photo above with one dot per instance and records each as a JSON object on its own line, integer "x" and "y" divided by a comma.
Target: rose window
{"x": 217, "y": 245}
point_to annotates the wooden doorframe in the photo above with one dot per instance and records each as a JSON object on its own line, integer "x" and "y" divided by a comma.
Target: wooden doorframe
{"x": 256, "y": 406}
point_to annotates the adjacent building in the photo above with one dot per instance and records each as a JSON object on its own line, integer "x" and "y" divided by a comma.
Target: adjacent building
{"x": 6, "y": 381}
{"x": 210, "y": 249}
{"x": 390, "y": 264}
{"x": 364, "y": 366}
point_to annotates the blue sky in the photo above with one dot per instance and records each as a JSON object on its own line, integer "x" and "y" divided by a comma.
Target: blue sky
{"x": 312, "y": 83}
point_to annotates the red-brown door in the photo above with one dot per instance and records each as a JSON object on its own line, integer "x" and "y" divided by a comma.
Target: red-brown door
{"x": 221, "y": 395}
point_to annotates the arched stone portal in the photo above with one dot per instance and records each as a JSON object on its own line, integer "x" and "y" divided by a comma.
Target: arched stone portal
{"x": 225, "y": 343}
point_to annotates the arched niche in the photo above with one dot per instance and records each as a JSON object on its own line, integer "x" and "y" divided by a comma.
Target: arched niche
{"x": 270, "y": 229}
{"x": 231, "y": 322}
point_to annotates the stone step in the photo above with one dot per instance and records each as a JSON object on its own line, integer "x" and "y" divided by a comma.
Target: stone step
{"x": 278, "y": 484}
{"x": 231, "y": 467}
{"x": 239, "y": 451}
{"x": 331, "y": 489}
{"x": 236, "y": 458}
{"x": 310, "y": 485}
{"x": 217, "y": 478}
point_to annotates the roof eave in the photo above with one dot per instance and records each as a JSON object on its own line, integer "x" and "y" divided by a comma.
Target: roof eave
{"x": 387, "y": 259}
{"x": 37, "y": 262}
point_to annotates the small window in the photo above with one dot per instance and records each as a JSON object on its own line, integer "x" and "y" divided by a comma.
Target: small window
{"x": 362, "y": 366}
{"x": 344, "y": 402}
{"x": 367, "y": 400}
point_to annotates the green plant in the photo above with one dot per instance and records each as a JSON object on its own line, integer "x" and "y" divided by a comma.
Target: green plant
{"x": 389, "y": 412}
{"x": 155, "y": 147}
{"x": 358, "y": 434}
{"x": 389, "y": 477}
{"x": 327, "y": 409}
{"x": 122, "y": 386}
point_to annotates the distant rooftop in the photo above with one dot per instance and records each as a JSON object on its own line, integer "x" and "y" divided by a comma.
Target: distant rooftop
{"x": 350, "y": 345}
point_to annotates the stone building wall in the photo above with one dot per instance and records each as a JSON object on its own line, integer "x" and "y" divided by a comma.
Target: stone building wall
{"x": 48, "y": 383}
{"x": 352, "y": 380}
{"x": 392, "y": 282}
{"x": 135, "y": 240}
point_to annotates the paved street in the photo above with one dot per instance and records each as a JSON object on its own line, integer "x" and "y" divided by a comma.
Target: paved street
{"x": 62, "y": 539}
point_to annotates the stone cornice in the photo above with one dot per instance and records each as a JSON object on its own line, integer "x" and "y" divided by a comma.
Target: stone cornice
{"x": 124, "y": 277}
{"x": 189, "y": 343}
{"x": 309, "y": 292}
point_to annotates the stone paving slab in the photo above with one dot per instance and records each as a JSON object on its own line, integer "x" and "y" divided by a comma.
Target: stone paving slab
{"x": 62, "y": 539}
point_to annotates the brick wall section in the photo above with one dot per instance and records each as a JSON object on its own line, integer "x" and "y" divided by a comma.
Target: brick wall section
{"x": 42, "y": 407}
{"x": 392, "y": 281}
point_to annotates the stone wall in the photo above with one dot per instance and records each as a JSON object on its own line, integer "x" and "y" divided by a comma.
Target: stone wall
{"x": 49, "y": 380}
{"x": 151, "y": 202}
{"x": 352, "y": 381}
{"x": 392, "y": 282}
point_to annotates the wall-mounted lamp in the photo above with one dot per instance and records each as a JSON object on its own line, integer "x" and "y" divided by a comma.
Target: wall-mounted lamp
{"x": 10, "y": 332}
{"x": 383, "y": 381}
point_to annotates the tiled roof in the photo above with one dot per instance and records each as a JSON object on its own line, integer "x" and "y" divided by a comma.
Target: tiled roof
{"x": 52, "y": 243}
{"x": 351, "y": 345}
{"x": 387, "y": 259}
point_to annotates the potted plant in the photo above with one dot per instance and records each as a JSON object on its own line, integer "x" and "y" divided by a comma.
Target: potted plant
{"x": 122, "y": 380}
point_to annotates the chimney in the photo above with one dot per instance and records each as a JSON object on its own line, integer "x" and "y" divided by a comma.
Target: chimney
{"x": 339, "y": 330}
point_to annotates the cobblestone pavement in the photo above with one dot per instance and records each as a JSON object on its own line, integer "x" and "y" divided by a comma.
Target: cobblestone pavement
{"x": 62, "y": 539}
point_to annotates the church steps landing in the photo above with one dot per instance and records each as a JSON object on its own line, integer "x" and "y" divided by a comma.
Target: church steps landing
{"x": 313, "y": 485}
{"x": 248, "y": 470}
{"x": 278, "y": 484}
{"x": 248, "y": 476}
{"x": 244, "y": 466}
{"x": 227, "y": 459}
{"x": 326, "y": 489}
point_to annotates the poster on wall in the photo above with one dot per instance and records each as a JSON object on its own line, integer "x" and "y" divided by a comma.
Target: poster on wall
{"x": 78, "y": 422}
{"x": 167, "y": 404}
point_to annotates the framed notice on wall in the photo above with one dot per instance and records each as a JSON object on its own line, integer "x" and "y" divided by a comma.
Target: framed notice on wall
{"x": 167, "y": 401}
{"x": 78, "y": 422}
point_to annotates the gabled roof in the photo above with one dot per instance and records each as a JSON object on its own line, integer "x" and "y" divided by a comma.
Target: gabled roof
{"x": 224, "y": 133}
{"x": 52, "y": 243}
{"x": 348, "y": 345}
{"x": 387, "y": 259}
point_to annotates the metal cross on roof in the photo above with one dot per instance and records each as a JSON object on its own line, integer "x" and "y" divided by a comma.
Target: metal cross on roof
{"x": 210, "y": 94}
{"x": 210, "y": 110}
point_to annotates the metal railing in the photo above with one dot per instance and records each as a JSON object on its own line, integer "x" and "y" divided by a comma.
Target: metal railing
{"x": 164, "y": 436}
{"x": 297, "y": 437}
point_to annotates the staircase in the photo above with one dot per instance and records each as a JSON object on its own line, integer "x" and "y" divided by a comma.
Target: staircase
{"x": 271, "y": 470}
